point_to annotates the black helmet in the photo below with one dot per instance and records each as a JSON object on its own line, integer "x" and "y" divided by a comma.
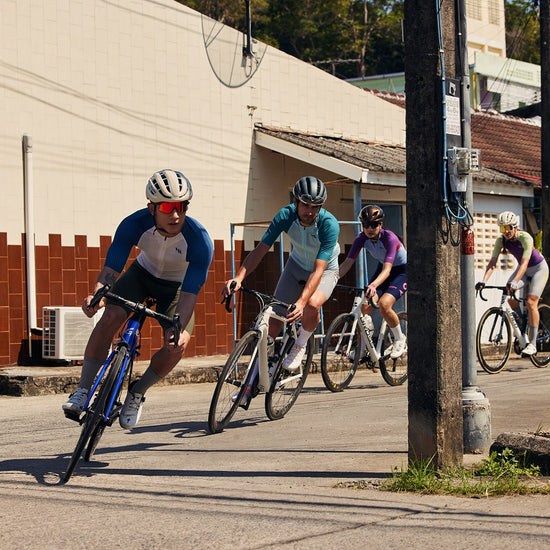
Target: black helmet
{"x": 310, "y": 190}
{"x": 371, "y": 213}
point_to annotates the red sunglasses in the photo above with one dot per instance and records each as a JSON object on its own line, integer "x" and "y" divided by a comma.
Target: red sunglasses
{"x": 169, "y": 207}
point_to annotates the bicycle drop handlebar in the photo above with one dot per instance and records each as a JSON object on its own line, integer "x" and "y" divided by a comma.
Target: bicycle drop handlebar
{"x": 137, "y": 307}
{"x": 264, "y": 299}
{"x": 502, "y": 288}
{"x": 359, "y": 290}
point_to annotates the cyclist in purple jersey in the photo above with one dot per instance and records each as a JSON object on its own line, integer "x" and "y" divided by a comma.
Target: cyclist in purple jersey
{"x": 532, "y": 268}
{"x": 389, "y": 281}
{"x": 172, "y": 266}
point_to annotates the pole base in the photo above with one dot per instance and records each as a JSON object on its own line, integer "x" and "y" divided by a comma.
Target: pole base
{"x": 476, "y": 415}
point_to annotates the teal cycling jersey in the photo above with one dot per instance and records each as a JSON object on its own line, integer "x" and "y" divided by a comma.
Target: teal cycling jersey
{"x": 316, "y": 242}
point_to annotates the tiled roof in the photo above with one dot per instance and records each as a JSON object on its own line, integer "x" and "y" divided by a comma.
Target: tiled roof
{"x": 372, "y": 156}
{"x": 508, "y": 144}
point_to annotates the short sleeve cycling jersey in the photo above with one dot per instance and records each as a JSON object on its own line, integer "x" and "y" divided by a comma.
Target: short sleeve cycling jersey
{"x": 387, "y": 249}
{"x": 520, "y": 247}
{"x": 185, "y": 257}
{"x": 316, "y": 242}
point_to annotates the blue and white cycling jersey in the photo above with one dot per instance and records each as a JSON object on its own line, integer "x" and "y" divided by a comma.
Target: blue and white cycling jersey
{"x": 185, "y": 257}
{"x": 317, "y": 242}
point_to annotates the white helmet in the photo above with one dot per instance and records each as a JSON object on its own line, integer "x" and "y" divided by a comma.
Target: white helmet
{"x": 508, "y": 218}
{"x": 168, "y": 186}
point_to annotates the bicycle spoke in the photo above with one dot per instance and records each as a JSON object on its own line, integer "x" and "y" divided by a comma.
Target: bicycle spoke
{"x": 493, "y": 340}
{"x": 340, "y": 354}
{"x": 394, "y": 371}
{"x": 287, "y": 386}
{"x": 232, "y": 382}
{"x": 542, "y": 357}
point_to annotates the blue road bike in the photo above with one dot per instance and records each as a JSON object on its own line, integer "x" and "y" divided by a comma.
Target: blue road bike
{"x": 103, "y": 405}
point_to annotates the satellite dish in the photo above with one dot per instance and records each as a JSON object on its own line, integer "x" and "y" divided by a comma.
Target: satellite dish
{"x": 233, "y": 60}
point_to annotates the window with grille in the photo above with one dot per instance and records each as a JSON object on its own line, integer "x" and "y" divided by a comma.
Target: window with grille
{"x": 473, "y": 9}
{"x": 494, "y": 12}
{"x": 486, "y": 232}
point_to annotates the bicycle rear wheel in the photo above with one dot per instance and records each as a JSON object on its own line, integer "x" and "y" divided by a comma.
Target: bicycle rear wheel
{"x": 542, "y": 357}
{"x": 337, "y": 366}
{"x": 287, "y": 386}
{"x": 92, "y": 419}
{"x": 493, "y": 340}
{"x": 232, "y": 382}
{"x": 110, "y": 382}
{"x": 394, "y": 371}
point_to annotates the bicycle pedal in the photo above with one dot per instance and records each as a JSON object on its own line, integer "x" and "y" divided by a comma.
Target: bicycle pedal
{"x": 72, "y": 416}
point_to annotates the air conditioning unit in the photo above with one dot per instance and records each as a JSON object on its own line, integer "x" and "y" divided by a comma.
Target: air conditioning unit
{"x": 65, "y": 332}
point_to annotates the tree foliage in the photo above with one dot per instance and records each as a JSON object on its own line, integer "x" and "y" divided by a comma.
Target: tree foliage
{"x": 522, "y": 30}
{"x": 348, "y": 38}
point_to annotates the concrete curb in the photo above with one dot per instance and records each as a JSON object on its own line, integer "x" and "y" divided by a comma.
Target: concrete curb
{"x": 19, "y": 381}
{"x": 528, "y": 448}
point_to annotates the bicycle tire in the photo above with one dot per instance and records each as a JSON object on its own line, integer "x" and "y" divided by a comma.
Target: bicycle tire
{"x": 286, "y": 386}
{"x": 493, "y": 340}
{"x": 110, "y": 382}
{"x": 394, "y": 371}
{"x": 337, "y": 369}
{"x": 542, "y": 357}
{"x": 92, "y": 418}
{"x": 234, "y": 377}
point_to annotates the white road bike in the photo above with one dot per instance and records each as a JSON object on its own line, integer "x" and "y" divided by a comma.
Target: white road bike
{"x": 342, "y": 344}
{"x": 255, "y": 366}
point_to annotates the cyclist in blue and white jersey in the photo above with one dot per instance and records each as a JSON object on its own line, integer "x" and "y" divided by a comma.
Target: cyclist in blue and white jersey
{"x": 532, "y": 268}
{"x": 389, "y": 281}
{"x": 172, "y": 266}
{"x": 311, "y": 272}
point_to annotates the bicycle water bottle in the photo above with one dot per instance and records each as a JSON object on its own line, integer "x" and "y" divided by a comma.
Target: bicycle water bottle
{"x": 368, "y": 325}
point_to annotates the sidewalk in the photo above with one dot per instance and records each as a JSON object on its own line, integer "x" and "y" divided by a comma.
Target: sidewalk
{"x": 21, "y": 381}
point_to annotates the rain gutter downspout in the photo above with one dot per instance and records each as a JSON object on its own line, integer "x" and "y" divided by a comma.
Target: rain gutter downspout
{"x": 29, "y": 237}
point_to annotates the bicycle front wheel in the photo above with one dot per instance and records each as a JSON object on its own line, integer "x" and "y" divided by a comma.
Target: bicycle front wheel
{"x": 493, "y": 340}
{"x": 287, "y": 386}
{"x": 232, "y": 382}
{"x": 110, "y": 383}
{"x": 394, "y": 371}
{"x": 542, "y": 357}
{"x": 92, "y": 419}
{"x": 338, "y": 363}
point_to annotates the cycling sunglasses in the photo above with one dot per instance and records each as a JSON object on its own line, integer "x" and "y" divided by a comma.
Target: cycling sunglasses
{"x": 168, "y": 207}
{"x": 372, "y": 225}
{"x": 504, "y": 228}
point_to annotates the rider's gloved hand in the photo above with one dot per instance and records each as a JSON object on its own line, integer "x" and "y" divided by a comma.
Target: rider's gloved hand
{"x": 513, "y": 285}
{"x": 480, "y": 285}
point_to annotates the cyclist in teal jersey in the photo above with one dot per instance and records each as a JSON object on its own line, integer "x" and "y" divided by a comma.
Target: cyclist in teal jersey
{"x": 311, "y": 273}
{"x": 532, "y": 267}
{"x": 172, "y": 266}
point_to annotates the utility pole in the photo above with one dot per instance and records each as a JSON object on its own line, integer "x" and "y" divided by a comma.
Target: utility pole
{"x": 545, "y": 130}
{"x": 476, "y": 414}
{"x": 435, "y": 430}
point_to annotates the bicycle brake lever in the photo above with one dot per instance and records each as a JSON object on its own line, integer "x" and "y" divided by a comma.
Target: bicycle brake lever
{"x": 98, "y": 296}
{"x": 177, "y": 328}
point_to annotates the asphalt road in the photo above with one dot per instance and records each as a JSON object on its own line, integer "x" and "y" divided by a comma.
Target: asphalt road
{"x": 260, "y": 484}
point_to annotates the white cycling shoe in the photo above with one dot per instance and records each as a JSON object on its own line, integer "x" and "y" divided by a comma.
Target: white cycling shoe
{"x": 293, "y": 360}
{"x": 529, "y": 349}
{"x": 399, "y": 348}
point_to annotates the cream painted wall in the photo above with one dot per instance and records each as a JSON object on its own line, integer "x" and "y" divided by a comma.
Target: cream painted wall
{"x": 112, "y": 91}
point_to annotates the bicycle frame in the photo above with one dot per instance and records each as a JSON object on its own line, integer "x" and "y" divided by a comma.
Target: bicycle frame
{"x": 130, "y": 340}
{"x": 375, "y": 351}
{"x": 261, "y": 325}
{"x": 509, "y": 312}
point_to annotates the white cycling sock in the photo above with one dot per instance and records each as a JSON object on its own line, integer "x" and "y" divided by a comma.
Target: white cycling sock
{"x": 397, "y": 332}
{"x": 533, "y": 331}
{"x": 303, "y": 337}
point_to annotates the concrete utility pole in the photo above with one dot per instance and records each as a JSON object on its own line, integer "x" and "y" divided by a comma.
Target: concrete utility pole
{"x": 434, "y": 305}
{"x": 545, "y": 132}
{"x": 476, "y": 413}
